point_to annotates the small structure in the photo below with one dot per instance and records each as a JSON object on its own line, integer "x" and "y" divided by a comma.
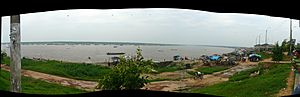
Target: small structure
{"x": 177, "y": 57}
{"x": 115, "y": 58}
{"x": 115, "y": 53}
{"x": 264, "y": 47}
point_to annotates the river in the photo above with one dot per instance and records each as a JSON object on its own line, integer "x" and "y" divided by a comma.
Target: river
{"x": 97, "y": 53}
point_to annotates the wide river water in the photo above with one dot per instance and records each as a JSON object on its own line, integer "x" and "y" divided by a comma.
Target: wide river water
{"x": 97, "y": 53}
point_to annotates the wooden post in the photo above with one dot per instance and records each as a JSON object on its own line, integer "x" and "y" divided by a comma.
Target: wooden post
{"x": 290, "y": 51}
{"x": 15, "y": 53}
{"x": 1, "y": 39}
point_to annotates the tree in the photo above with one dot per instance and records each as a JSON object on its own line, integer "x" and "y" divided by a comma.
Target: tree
{"x": 297, "y": 46}
{"x": 277, "y": 53}
{"x": 285, "y": 46}
{"x": 3, "y": 54}
{"x": 126, "y": 75}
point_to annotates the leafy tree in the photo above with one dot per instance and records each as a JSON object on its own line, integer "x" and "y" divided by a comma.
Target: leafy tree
{"x": 126, "y": 75}
{"x": 3, "y": 54}
{"x": 277, "y": 53}
{"x": 297, "y": 46}
{"x": 285, "y": 46}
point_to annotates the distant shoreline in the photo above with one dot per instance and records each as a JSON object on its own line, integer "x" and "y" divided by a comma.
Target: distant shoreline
{"x": 114, "y": 43}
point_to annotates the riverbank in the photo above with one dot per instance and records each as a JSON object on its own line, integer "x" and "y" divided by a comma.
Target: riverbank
{"x": 79, "y": 71}
{"x": 36, "y": 86}
{"x": 98, "y": 53}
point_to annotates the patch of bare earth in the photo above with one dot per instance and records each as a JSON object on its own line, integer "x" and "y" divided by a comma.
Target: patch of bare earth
{"x": 207, "y": 80}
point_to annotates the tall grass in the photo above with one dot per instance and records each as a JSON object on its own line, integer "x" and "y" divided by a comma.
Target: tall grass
{"x": 264, "y": 55}
{"x": 34, "y": 86}
{"x": 169, "y": 68}
{"x": 66, "y": 69}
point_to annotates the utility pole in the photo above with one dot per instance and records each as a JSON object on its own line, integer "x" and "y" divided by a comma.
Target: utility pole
{"x": 15, "y": 53}
{"x": 1, "y": 39}
{"x": 256, "y": 41}
{"x": 266, "y": 40}
{"x": 259, "y": 46}
{"x": 290, "y": 52}
{"x": 259, "y": 39}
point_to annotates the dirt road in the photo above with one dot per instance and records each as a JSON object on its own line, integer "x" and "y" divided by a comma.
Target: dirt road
{"x": 85, "y": 85}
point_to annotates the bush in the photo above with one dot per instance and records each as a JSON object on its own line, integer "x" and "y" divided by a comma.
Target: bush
{"x": 126, "y": 75}
{"x": 3, "y": 55}
{"x": 264, "y": 55}
{"x": 277, "y": 53}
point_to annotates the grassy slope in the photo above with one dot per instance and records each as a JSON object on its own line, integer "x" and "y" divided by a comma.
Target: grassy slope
{"x": 267, "y": 84}
{"x": 170, "y": 68}
{"x": 34, "y": 86}
{"x": 66, "y": 69}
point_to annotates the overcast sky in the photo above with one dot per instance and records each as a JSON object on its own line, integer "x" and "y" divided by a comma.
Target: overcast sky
{"x": 176, "y": 26}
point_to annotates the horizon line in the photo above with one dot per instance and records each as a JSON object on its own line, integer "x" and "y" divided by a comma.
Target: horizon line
{"x": 141, "y": 43}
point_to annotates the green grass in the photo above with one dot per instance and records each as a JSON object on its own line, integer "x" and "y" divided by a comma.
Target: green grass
{"x": 191, "y": 72}
{"x": 266, "y": 84}
{"x": 297, "y": 60}
{"x": 264, "y": 55}
{"x": 5, "y": 60}
{"x": 66, "y": 69}
{"x": 34, "y": 86}
{"x": 4, "y": 83}
{"x": 246, "y": 74}
{"x": 210, "y": 70}
{"x": 169, "y": 68}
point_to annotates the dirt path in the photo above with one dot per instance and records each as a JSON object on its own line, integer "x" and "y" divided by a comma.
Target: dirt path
{"x": 207, "y": 80}
{"x": 85, "y": 85}
{"x": 270, "y": 60}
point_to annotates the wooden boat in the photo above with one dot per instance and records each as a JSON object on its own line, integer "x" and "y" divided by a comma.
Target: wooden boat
{"x": 115, "y": 53}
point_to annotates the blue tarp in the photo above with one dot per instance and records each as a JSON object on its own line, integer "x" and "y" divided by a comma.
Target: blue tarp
{"x": 215, "y": 57}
